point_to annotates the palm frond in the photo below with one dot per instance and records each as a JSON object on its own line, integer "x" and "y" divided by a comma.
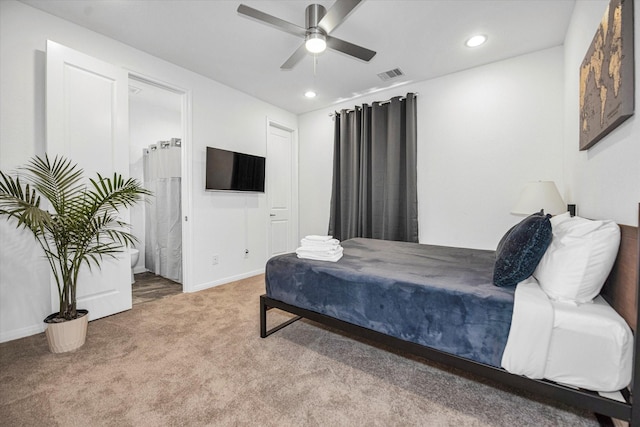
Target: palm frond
{"x": 23, "y": 203}
{"x": 117, "y": 193}
{"x": 58, "y": 182}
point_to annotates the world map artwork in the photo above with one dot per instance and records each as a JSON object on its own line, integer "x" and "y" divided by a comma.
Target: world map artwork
{"x": 607, "y": 74}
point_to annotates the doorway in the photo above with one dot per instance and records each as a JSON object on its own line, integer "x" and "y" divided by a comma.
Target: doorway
{"x": 156, "y": 151}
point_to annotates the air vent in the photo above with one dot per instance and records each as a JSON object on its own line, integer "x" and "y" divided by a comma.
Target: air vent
{"x": 391, "y": 74}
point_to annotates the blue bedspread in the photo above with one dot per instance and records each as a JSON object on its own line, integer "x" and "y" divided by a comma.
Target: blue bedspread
{"x": 437, "y": 296}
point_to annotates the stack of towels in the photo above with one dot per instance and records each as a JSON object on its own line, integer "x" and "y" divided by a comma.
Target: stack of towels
{"x": 321, "y": 248}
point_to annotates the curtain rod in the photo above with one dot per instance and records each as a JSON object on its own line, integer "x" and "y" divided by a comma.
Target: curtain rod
{"x": 375, "y": 102}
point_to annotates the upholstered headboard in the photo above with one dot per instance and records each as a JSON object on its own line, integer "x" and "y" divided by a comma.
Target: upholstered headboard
{"x": 621, "y": 288}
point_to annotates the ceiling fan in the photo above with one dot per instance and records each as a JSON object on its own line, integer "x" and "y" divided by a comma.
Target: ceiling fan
{"x": 319, "y": 23}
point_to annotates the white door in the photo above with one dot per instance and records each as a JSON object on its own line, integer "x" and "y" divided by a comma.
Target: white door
{"x": 280, "y": 190}
{"x": 87, "y": 121}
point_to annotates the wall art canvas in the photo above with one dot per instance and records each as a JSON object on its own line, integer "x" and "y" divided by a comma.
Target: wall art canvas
{"x": 607, "y": 75}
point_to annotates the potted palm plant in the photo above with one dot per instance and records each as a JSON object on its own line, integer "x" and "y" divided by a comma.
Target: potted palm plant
{"x": 79, "y": 227}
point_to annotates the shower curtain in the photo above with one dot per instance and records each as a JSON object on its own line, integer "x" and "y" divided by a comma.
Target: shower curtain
{"x": 163, "y": 225}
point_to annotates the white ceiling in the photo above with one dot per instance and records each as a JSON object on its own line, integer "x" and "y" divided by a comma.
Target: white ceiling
{"x": 425, "y": 39}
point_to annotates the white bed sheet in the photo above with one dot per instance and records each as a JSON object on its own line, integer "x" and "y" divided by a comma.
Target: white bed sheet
{"x": 589, "y": 345}
{"x": 529, "y": 338}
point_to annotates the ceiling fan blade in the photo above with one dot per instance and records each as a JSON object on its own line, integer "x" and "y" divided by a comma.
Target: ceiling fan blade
{"x": 350, "y": 48}
{"x": 297, "y": 56}
{"x": 336, "y": 14}
{"x": 265, "y": 18}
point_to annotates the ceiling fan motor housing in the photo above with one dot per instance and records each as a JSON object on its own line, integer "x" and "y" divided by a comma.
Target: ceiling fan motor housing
{"x": 313, "y": 15}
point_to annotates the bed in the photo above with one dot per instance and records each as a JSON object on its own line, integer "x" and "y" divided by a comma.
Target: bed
{"x": 393, "y": 293}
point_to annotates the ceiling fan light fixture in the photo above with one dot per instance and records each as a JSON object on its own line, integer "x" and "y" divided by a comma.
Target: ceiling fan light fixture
{"x": 315, "y": 42}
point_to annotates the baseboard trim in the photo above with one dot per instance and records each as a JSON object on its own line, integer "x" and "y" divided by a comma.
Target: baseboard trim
{"x": 138, "y": 270}
{"x": 22, "y": 332}
{"x": 225, "y": 280}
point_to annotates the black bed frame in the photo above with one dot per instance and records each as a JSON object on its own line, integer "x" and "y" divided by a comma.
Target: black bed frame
{"x": 602, "y": 407}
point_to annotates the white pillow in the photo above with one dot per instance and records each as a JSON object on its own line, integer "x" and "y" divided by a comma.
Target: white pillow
{"x": 557, "y": 219}
{"x": 579, "y": 258}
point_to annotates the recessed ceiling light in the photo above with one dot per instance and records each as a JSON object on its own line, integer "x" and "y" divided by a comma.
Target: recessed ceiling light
{"x": 476, "y": 40}
{"x": 310, "y": 94}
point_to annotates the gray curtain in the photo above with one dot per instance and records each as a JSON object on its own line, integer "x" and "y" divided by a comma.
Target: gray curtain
{"x": 374, "y": 190}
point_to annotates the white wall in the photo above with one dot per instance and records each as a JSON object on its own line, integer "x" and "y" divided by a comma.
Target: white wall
{"x": 221, "y": 116}
{"x": 604, "y": 181}
{"x": 483, "y": 134}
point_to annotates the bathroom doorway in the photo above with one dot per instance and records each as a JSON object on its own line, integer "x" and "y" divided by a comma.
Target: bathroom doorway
{"x": 156, "y": 136}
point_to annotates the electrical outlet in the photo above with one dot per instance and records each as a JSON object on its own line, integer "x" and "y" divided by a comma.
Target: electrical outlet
{"x": 214, "y": 259}
{"x": 246, "y": 253}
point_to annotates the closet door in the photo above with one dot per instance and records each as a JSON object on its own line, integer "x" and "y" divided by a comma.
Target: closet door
{"x": 88, "y": 122}
{"x": 280, "y": 190}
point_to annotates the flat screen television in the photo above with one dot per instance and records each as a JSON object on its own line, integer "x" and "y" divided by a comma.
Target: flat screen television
{"x": 233, "y": 171}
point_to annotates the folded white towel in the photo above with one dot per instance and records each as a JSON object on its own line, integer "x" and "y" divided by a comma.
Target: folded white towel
{"x": 320, "y": 256}
{"x": 318, "y": 238}
{"x": 325, "y": 243}
{"x": 334, "y": 258}
{"x": 314, "y": 248}
{"x": 319, "y": 251}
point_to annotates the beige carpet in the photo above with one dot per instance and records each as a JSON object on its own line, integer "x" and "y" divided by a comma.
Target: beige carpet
{"x": 197, "y": 359}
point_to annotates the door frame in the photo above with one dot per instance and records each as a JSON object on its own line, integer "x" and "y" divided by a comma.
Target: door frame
{"x": 295, "y": 224}
{"x": 187, "y": 153}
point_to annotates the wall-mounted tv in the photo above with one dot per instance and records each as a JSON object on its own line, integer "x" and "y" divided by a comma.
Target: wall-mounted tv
{"x": 233, "y": 171}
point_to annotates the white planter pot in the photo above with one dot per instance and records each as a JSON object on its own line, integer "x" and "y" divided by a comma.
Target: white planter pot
{"x": 69, "y": 335}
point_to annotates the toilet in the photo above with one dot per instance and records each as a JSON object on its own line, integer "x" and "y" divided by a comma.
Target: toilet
{"x": 134, "y": 260}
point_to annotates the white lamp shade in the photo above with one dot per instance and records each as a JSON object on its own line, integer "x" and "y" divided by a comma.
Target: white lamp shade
{"x": 539, "y": 195}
